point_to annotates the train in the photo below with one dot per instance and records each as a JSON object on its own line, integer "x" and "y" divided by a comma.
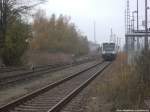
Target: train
{"x": 109, "y": 51}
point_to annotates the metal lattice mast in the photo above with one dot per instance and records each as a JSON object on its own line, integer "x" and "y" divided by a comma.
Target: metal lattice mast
{"x": 128, "y": 17}
{"x": 138, "y": 43}
{"x": 127, "y": 23}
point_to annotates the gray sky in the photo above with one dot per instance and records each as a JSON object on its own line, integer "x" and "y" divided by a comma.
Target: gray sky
{"x": 107, "y": 14}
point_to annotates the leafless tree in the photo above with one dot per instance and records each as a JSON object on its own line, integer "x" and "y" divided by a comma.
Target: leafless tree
{"x": 9, "y": 10}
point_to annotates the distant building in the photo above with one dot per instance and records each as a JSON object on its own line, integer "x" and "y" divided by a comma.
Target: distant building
{"x": 94, "y": 48}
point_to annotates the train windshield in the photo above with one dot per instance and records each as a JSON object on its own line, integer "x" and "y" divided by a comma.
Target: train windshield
{"x": 108, "y": 46}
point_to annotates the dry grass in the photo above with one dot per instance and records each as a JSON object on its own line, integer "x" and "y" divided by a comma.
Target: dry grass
{"x": 120, "y": 88}
{"x": 124, "y": 88}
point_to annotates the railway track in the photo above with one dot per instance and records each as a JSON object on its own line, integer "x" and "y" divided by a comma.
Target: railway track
{"x": 53, "y": 97}
{"x": 38, "y": 67}
{"x": 24, "y": 71}
{"x": 11, "y": 69}
{"x": 27, "y": 68}
{"x": 30, "y": 74}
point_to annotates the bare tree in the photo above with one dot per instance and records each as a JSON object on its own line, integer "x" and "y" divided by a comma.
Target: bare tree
{"x": 9, "y": 11}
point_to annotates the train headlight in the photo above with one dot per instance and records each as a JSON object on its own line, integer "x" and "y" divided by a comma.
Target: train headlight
{"x": 113, "y": 52}
{"x": 104, "y": 52}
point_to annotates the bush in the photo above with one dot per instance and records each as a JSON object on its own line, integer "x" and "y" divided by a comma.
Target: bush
{"x": 126, "y": 90}
{"x": 132, "y": 83}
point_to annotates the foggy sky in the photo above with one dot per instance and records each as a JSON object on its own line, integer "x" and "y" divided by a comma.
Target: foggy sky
{"x": 106, "y": 13}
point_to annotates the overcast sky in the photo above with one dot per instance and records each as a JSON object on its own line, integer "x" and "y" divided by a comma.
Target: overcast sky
{"x": 106, "y": 13}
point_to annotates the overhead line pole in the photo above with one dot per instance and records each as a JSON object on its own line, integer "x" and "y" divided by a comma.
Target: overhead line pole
{"x": 137, "y": 15}
{"x": 138, "y": 43}
{"x": 94, "y": 31}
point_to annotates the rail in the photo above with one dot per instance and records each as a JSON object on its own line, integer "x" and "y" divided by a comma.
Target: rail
{"x": 100, "y": 68}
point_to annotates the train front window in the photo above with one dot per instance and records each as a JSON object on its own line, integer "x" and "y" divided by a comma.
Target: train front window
{"x": 108, "y": 47}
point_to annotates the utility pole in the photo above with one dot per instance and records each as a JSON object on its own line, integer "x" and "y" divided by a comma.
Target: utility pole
{"x": 125, "y": 21}
{"x": 133, "y": 19}
{"x": 94, "y": 31}
{"x": 111, "y": 35}
{"x": 146, "y": 28}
